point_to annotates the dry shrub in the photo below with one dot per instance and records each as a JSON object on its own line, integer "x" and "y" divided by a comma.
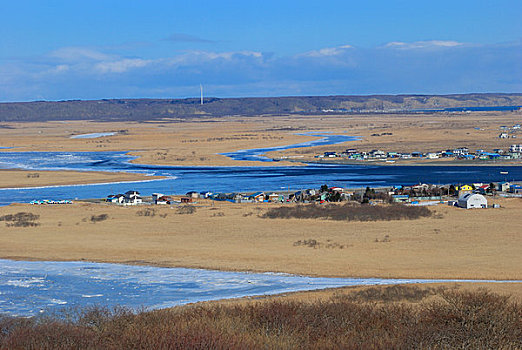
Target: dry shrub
{"x": 186, "y": 209}
{"x": 392, "y": 293}
{"x": 471, "y": 320}
{"x": 350, "y": 212}
{"x": 146, "y": 212}
{"x": 98, "y": 218}
{"x": 21, "y": 219}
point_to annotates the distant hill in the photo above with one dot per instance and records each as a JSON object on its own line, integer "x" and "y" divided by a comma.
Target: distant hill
{"x": 156, "y": 109}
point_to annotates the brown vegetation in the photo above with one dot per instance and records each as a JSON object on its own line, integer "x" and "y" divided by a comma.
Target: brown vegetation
{"x": 455, "y": 319}
{"x": 98, "y": 218}
{"x": 21, "y": 219}
{"x": 349, "y": 212}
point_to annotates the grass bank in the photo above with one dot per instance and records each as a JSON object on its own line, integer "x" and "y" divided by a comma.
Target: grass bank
{"x": 397, "y": 317}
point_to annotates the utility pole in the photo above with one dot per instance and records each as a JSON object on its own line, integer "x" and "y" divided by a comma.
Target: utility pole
{"x": 201, "y": 93}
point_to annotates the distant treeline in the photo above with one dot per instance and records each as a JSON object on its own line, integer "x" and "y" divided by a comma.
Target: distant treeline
{"x": 372, "y": 319}
{"x": 157, "y": 109}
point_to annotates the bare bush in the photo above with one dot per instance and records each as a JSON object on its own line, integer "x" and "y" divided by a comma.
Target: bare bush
{"x": 98, "y": 218}
{"x": 186, "y": 209}
{"x": 392, "y": 293}
{"x": 21, "y": 219}
{"x": 350, "y": 212}
{"x": 146, "y": 212}
{"x": 457, "y": 319}
{"x": 312, "y": 243}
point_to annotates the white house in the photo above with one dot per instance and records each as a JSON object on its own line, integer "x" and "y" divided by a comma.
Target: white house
{"x": 472, "y": 200}
{"x": 116, "y": 198}
{"x": 515, "y": 148}
{"x": 504, "y": 186}
{"x": 132, "y": 197}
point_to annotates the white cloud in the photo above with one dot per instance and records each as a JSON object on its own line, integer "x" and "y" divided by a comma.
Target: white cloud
{"x": 121, "y": 66}
{"x": 423, "y": 44}
{"x": 77, "y": 54}
{"x": 328, "y": 51}
{"x": 435, "y": 66}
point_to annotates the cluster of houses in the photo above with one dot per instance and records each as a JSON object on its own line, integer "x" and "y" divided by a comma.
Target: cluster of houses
{"x": 469, "y": 196}
{"x": 514, "y": 152}
{"x": 49, "y": 201}
{"x": 508, "y": 132}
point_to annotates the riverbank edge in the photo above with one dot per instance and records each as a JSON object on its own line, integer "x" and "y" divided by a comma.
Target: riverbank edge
{"x": 140, "y": 177}
{"x": 458, "y": 279}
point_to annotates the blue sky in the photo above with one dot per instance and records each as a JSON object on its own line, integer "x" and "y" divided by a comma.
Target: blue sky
{"x": 58, "y": 50}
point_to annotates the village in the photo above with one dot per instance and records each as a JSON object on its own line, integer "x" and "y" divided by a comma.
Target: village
{"x": 462, "y": 153}
{"x": 464, "y": 196}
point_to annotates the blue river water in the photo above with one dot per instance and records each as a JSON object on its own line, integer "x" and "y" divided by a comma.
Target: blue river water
{"x": 229, "y": 179}
{"x": 256, "y": 154}
{"x": 30, "y": 287}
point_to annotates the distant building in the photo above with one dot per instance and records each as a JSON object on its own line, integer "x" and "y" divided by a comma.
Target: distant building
{"x": 257, "y": 197}
{"x": 132, "y": 198}
{"x": 193, "y": 194}
{"x": 504, "y": 186}
{"x": 464, "y": 189}
{"x": 461, "y": 151}
{"x": 515, "y": 189}
{"x": 516, "y": 148}
{"x": 274, "y": 197}
{"x": 472, "y": 200}
{"x": 116, "y": 198}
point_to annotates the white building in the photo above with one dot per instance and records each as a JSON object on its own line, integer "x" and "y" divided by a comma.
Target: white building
{"x": 472, "y": 200}
{"x": 132, "y": 198}
{"x": 515, "y": 148}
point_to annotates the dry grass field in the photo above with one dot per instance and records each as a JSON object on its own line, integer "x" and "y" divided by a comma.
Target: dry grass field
{"x": 198, "y": 141}
{"x": 452, "y": 243}
{"x": 27, "y": 178}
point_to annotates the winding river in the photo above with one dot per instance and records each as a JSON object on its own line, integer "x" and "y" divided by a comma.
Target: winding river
{"x": 28, "y": 288}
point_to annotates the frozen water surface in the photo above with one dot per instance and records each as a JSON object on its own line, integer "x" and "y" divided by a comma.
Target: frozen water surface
{"x": 31, "y": 287}
{"x": 93, "y": 135}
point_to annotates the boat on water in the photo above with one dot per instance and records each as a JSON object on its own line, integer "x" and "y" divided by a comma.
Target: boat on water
{"x": 504, "y": 172}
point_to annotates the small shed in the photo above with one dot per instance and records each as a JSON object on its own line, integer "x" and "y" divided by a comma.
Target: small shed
{"x": 257, "y": 197}
{"x": 472, "y": 200}
{"x": 516, "y": 189}
{"x": 274, "y": 197}
{"x": 504, "y": 186}
{"x": 192, "y": 194}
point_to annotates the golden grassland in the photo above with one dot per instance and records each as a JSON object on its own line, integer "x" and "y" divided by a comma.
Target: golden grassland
{"x": 452, "y": 243}
{"x": 513, "y": 290}
{"x": 28, "y": 178}
{"x": 199, "y": 141}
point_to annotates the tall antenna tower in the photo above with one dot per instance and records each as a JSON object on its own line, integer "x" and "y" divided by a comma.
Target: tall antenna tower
{"x": 201, "y": 92}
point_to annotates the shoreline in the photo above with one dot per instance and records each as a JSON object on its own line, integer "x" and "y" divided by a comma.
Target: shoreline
{"x": 414, "y": 163}
{"x": 47, "y": 178}
{"x": 142, "y": 263}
